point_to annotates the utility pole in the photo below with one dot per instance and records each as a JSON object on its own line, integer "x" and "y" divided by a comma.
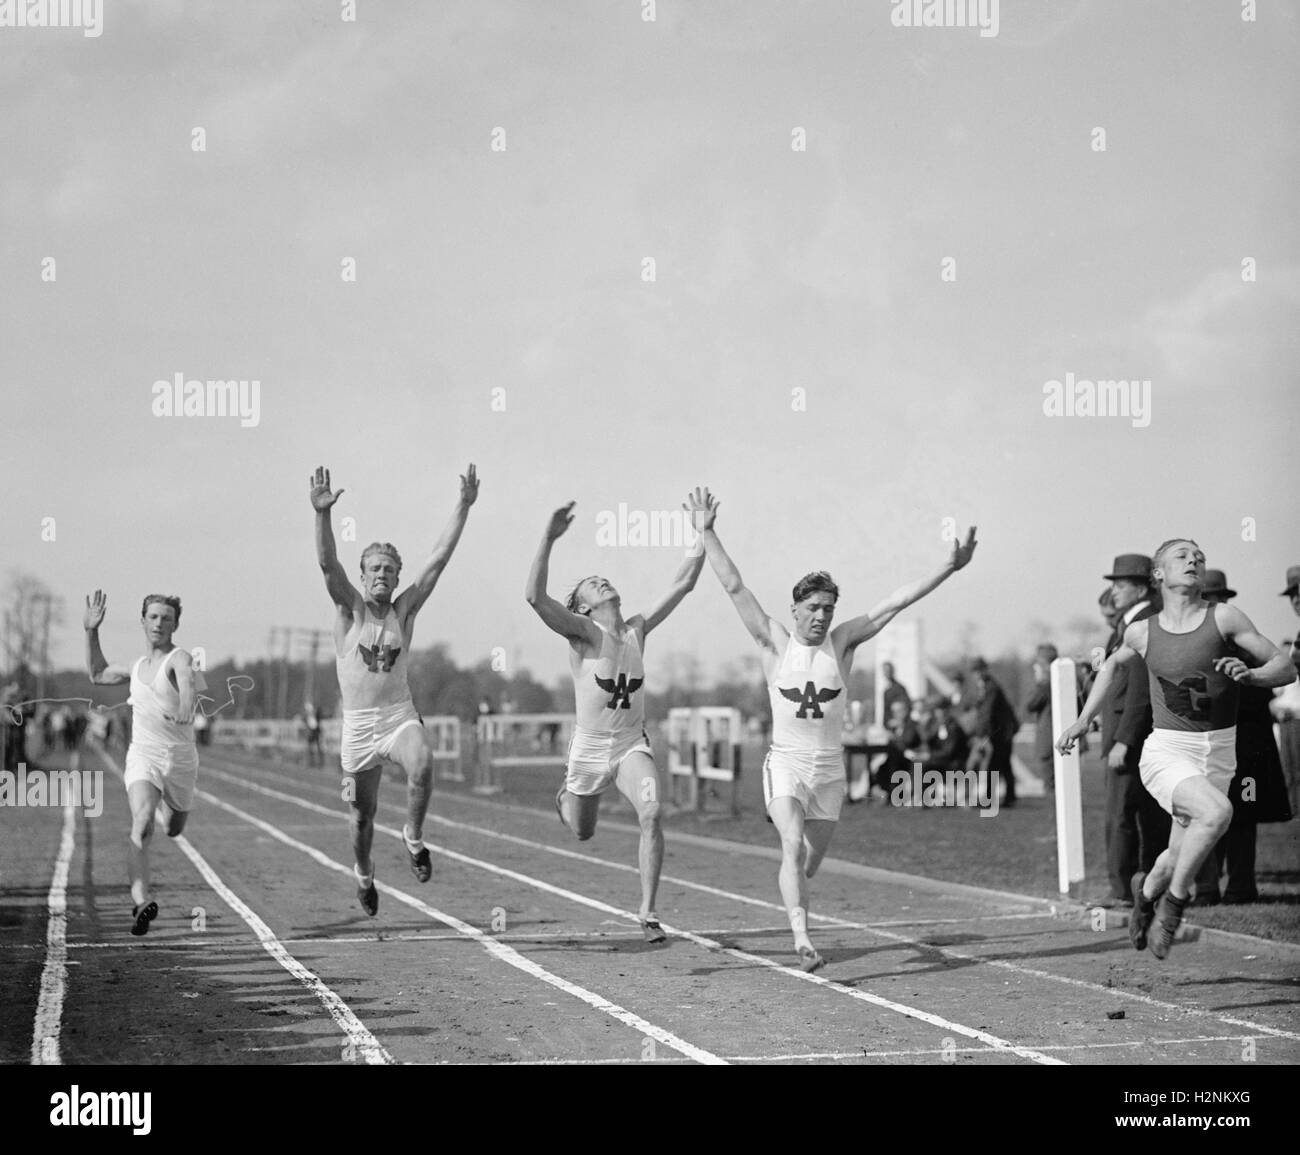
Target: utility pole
{"x": 266, "y": 685}
{"x": 44, "y": 599}
{"x": 314, "y": 638}
{"x": 284, "y": 672}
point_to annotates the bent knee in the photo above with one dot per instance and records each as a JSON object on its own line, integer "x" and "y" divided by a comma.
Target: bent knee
{"x": 649, "y": 816}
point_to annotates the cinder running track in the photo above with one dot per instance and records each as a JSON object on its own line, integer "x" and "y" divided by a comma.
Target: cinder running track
{"x": 524, "y": 948}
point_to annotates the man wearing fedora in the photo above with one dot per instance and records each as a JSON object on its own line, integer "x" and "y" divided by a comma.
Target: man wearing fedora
{"x": 1258, "y": 791}
{"x": 1286, "y": 706}
{"x": 1137, "y": 830}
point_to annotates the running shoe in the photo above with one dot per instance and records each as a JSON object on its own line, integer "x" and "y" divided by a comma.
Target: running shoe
{"x": 143, "y": 915}
{"x": 1144, "y": 910}
{"x": 810, "y": 960}
{"x": 421, "y": 864}
{"x": 652, "y": 930}
{"x": 368, "y": 896}
{"x": 1169, "y": 914}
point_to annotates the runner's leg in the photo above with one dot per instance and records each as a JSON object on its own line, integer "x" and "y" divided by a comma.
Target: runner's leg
{"x": 788, "y": 818}
{"x": 143, "y": 798}
{"x": 638, "y": 781}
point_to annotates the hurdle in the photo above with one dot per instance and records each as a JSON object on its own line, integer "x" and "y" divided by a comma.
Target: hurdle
{"x": 704, "y": 745}
{"x": 533, "y": 740}
{"x": 1065, "y": 769}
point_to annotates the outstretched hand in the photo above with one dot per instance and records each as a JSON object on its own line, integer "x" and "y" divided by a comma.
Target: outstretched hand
{"x": 95, "y": 611}
{"x": 703, "y": 508}
{"x": 321, "y": 497}
{"x": 962, "y": 552}
{"x": 468, "y": 485}
{"x": 561, "y": 519}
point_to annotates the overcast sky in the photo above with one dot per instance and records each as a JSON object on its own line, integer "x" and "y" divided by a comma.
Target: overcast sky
{"x": 798, "y": 348}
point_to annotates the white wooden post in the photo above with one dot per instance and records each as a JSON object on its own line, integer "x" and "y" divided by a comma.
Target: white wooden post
{"x": 1069, "y": 798}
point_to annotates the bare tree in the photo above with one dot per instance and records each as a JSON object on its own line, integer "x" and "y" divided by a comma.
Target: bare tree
{"x": 30, "y": 611}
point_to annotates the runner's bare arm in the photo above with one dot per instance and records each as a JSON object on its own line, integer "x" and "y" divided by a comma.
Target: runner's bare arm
{"x": 559, "y": 618}
{"x": 342, "y": 592}
{"x": 183, "y": 667}
{"x": 1274, "y": 669}
{"x": 851, "y": 634}
{"x": 703, "y": 508}
{"x": 414, "y": 596}
{"x": 683, "y": 583}
{"x": 1133, "y": 646}
{"x": 101, "y": 672}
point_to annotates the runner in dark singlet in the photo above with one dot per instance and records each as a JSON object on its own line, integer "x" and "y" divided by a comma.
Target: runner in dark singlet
{"x": 1188, "y": 761}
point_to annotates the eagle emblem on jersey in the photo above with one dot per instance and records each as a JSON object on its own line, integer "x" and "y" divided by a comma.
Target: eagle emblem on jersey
{"x": 1188, "y": 699}
{"x": 379, "y": 659}
{"x": 620, "y": 692}
{"x": 809, "y": 698}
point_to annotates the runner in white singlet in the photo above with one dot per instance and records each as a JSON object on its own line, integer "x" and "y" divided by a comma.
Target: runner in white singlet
{"x": 372, "y": 646}
{"x": 162, "y": 762}
{"x": 807, "y": 670}
{"x": 609, "y": 746}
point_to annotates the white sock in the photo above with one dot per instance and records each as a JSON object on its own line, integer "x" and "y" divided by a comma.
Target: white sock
{"x": 413, "y": 845}
{"x": 364, "y": 879}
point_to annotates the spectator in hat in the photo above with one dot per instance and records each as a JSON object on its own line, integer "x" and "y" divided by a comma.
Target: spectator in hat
{"x": 1040, "y": 706}
{"x": 1258, "y": 790}
{"x": 1286, "y": 706}
{"x": 1137, "y": 830}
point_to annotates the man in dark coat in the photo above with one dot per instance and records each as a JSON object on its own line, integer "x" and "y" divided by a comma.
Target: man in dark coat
{"x": 1137, "y": 830}
{"x": 995, "y": 726}
{"x": 1040, "y": 706}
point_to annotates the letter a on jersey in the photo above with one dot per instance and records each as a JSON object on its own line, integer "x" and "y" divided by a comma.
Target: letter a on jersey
{"x": 810, "y": 698}
{"x": 620, "y": 692}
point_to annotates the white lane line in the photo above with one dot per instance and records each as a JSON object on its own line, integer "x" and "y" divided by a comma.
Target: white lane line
{"x": 54, "y": 974}
{"x": 990, "y": 1040}
{"x": 498, "y": 950}
{"x": 360, "y": 1042}
{"x": 830, "y": 920}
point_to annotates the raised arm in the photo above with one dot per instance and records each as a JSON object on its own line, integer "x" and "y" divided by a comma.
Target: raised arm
{"x": 1274, "y": 669}
{"x": 703, "y": 508}
{"x": 683, "y": 583}
{"x": 414, "y": 596}
{"x": 97, "y": 666}
{"x": 855, "y": 631}
{"x": 1132, "y": 647}
{"x": 559, "y": 618}
{"x": 342, "y": 592}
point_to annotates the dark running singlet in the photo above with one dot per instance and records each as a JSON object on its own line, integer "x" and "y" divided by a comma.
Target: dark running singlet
{"x": 1187, "y": 692}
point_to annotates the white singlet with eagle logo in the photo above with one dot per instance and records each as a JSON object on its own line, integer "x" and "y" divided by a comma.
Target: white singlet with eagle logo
{"x": 375, "y": 691}
{"x": 610, "y": 712}
{"x": 806, "y": 761}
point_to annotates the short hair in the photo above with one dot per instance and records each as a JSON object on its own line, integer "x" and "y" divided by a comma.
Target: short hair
{"x": 166, "y": 599}
{"x": 571, "y": 602}
{"x": 817, "y": 582}
{"x": 1164, "y": 545}
{"x": 384, "y": 547}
